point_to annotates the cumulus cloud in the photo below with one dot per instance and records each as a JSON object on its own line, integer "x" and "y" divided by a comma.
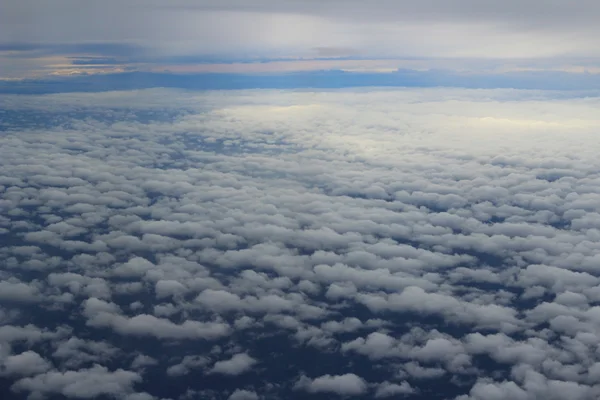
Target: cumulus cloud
{"x": 25, "y": 364}
{"x": 85, "y": 383}
{"x": 345, "y": 385}
{"x": 103, "y": 314}
{"x": 188, "y": 363}
{"x": 387, "y": 389}
{"x": 241, "y": 394}
{"x": 236, "y": 365}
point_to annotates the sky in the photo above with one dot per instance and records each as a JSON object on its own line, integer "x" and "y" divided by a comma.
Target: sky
{"x": 271, "y": 200}
{"x": 71, "y": 37}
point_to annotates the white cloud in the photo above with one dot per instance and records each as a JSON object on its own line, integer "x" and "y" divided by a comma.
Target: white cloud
{"x": 85, "y": 383}
{"x": 236, "y": 365}
{"x": 188, "y": 363}
{"x": 25, "y": 364}
{"x": 345, "y": 385}
{"x": 75, "y": 351}
{"x": 376, "y": 345}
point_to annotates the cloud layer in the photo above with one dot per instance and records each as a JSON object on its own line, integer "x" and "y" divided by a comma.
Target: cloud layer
{"x": 461, "y": 28}
{"x": 268, "y": 244}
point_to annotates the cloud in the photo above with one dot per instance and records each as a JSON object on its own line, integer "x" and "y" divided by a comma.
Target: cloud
{"x": 198, "y": 36}
{"x": 345, "y": 385}
{"x": 376, "y": 345}
{"x": 17, "y": 291}
{"x": 188, "y": 363}
{"x": 75, "y": 352}
{"x": 141, "y": 361}
{"x": 387, "y": 389}
{"x": 25, "y": 364}
{"x": 461, "y": 29}
{"x": 102, "y": 314}
{"x": 236, "y": 365}
{"x": 241, "y": 394}
{"x": 85, "y": 383}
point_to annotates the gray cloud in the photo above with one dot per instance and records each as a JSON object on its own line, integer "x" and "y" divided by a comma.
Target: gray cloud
{"x": 387, "y": 389}
{"x": 345, "y": 385}
{"x": 461, "y": 28}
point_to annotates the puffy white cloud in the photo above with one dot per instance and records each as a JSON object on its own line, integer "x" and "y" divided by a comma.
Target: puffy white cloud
{"x": 144, "y": 324}
{"x": 25, "y": 364}
{"x": 165, "y": 288}
{"x": 496, "y": 391}
{"x": 139, "y": 396}
{"x": 18, "y": 291}
{"x": 74, "y": 351}
{"x": 376, "y": 345}
{"x": 186, "y": 364}
{"x": 241, "y": 394}
{"x": 102, "y": 314}
{"x": 387, "y": 389}
{"x": 137, "y": 266}
{"x": 236, "y": 365}
{"x": 84, "y": 383}
{"x": 416, "y": 371}
{"x": 345, "y": 385}
{"x": 141, "y": 361}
